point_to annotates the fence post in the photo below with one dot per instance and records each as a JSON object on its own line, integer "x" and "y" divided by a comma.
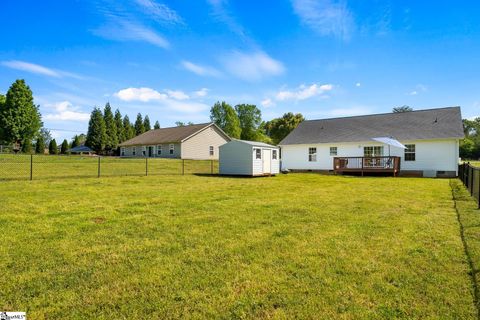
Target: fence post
{"x": 183, "y": 167}
{"x": 471, "y": 180}
{"x": 98, "y": 167}
{"x": 31, "y": 167}
{"x": 146, "y": 166}
{"x": 211, "y": 166}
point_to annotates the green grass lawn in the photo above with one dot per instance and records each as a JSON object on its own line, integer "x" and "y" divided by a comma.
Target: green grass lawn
{"x": 292, "y": 246}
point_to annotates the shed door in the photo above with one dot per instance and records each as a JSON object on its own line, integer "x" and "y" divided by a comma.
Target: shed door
{"x": 267, "y": 161}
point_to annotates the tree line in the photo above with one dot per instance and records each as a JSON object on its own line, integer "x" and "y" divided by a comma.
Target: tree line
{"x": 107, "y": 130}
{"x": 470, "y": 146}
{"x": 244, "y": 121}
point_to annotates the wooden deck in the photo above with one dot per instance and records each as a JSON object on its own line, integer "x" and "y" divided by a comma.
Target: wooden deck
{"x": 366, "y": 165}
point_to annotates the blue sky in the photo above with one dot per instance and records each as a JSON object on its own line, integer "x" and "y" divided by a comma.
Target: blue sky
{"x": 173, "y": 59}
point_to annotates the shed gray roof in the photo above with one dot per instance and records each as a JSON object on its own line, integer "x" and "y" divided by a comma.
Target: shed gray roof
{"x": 414, "y": 125}
{"x": 255, "y": 143}
{"x": 168, "y": 135}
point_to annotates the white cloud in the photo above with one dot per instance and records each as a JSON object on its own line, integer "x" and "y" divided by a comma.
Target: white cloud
{"x": 418, "y": 89}
{"x": 222, "y": 14}
{"x": 326, "y": 17}
{"x": 358, "y": 84}
{"x": 177, "y": 94}
{"x": 303, "y": 92}
{"x": 174, "y": 100}
{"x": 121, "y": 29}
{"x": 267, "y": 103}
{"x": 160, "y": 12}
{"x": 140, "y": 94}
{"x": 186, "y": 107}
{"x": 38, "y": 69}
{"x": 200, "y": 70}
{"x": 65, "y": 111}
{"x": 202, "y": 92}
{"x": 252, "y": 66}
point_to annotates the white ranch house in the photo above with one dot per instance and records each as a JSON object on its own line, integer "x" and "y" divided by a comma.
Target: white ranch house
{"x": 431, "y": 138}
{"x": 197, "y": 141}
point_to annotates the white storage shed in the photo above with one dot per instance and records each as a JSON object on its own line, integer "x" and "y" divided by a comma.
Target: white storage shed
{"x": 249, "y": 158}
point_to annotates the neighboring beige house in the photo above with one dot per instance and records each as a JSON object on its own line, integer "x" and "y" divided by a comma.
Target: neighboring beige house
{"x": 196, "y": 141}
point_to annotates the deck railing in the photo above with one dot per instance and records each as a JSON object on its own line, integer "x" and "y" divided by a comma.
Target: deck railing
{"x": 367, "y": 164}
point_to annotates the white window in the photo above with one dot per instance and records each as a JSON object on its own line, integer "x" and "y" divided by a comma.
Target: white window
{"x": 274, "y": 154}
{"x": 333, "y": 151}
{"x": 410, "y": 152}
{"x": 134, "y": 151}
{"x": 122, "y": 151}
{"x": 172, "y": 148}
{"x": 312, "y": 154}
{"x": 211, "y": 150}
{"x": 373, "y": 151}
{"x": 144, "y": 151}
{"x": 258, "y": 153}
{"x": 159, "y": 150}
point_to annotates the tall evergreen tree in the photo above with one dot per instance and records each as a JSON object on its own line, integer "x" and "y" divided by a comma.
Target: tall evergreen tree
{"x": 27, "y": 146}
{"x": 120, "y": 128}
{"x": 139, "y": 127}
{"x": 20, "y": 118}
{"x": 111, "y": 141}
{"x": 96, "y": 134}
{"x": 64, "y": 147}
{"x": 127, "y": 126}
{"x": 146, "y": 124}
{"x": 40, "y": 145}
{"x": 156, "y": 125}
{"x": 75, "y": 141}
{"x": 224, "y": 116}
{"x": 250, "y": 119}
{"x": 52, "y": 147}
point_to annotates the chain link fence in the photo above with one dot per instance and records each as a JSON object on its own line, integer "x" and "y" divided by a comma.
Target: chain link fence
{"x": 36, "y": 167}
{"x": 470, "y": 176}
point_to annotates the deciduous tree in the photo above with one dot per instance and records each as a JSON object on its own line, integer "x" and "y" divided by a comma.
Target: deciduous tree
{"x": 250, "y": 119}
{"x": 279, "y": 128}
{"x": 224, "y": 116}
{"x": 20, "y": 118}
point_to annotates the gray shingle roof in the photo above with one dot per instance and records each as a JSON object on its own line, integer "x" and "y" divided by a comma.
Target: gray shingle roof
{"x": 256, "y": 143}
{"x": 415, "y": 125}
{"x": 165, "y": 135}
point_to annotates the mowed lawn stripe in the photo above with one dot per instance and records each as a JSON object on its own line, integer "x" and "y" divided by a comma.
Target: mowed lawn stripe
{"x": 298, "y": 245}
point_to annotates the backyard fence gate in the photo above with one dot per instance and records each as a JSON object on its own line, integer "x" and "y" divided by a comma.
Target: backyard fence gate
{"x": 470, "y": 177}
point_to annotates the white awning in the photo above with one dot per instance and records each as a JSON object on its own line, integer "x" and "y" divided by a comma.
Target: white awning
{"x": 390, "y": 141}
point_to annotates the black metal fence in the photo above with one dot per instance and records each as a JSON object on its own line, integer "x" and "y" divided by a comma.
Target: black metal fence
{"x": 34, "y": 167}
{"x": 470, "y": 176}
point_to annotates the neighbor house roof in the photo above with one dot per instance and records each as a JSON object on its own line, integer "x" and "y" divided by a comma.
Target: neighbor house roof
{"x": 81, "y": 148}
{"x": 439, "y": 123}
{"x": 169, "y": 135}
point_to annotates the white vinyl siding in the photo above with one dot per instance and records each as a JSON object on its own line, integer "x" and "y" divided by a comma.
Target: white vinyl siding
{"x": 437, "y": 155}
{"x": 199, "y": 145}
